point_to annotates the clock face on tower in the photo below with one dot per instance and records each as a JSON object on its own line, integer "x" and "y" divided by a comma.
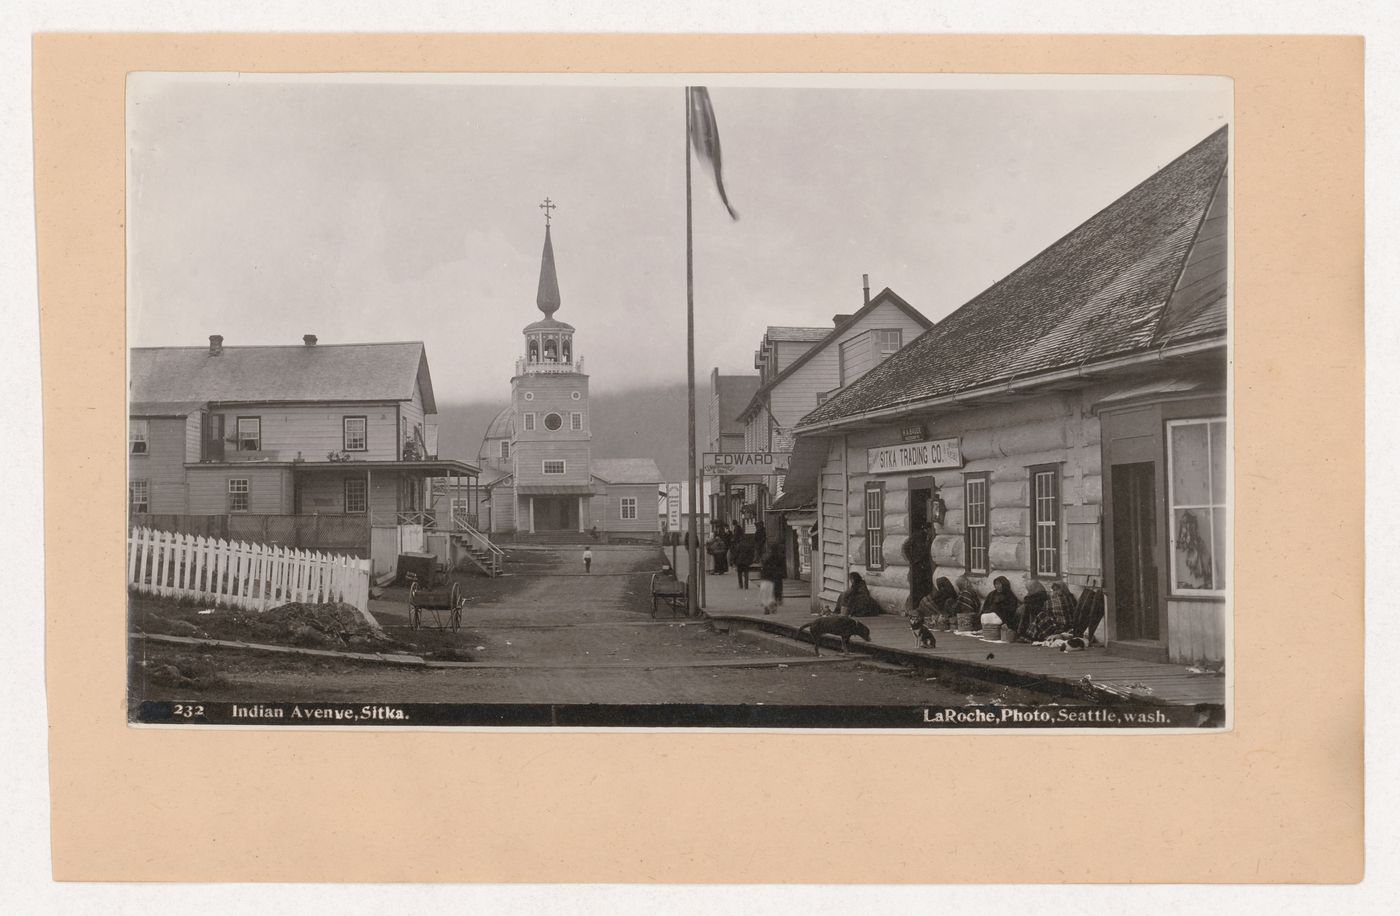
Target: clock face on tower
{"x": 553, "y": 421}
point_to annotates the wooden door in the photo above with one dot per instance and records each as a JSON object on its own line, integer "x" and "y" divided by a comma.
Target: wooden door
{"x": 1136, "y": 607}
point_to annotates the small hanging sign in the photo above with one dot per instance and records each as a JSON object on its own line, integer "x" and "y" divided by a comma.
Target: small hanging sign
{"x": 913, "y": 432}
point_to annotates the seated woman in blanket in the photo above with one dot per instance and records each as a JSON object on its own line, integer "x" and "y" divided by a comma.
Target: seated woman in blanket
{"x": 856, "y": 600}
{"x": 1002, "y": 601}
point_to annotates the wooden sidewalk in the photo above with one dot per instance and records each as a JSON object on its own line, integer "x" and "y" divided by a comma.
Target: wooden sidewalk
{"x": 1138, "y": 681}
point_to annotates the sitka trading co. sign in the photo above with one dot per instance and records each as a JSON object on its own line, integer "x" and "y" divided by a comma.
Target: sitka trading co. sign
{"x": 728, "y": 464}
{"x": 915, "y": 456}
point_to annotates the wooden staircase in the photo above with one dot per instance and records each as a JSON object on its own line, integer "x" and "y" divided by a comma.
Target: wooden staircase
{"x": 477, "y": 549}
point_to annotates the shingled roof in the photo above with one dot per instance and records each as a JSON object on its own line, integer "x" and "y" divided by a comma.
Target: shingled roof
{"x": 324, "y": 372}
{"x": 1141, "y": 273}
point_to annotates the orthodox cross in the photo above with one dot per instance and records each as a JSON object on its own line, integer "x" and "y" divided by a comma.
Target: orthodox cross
{"x": 546, "y": 207}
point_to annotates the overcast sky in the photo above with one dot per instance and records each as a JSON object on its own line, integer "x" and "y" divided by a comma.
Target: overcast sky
{"x": 363, "y": 210}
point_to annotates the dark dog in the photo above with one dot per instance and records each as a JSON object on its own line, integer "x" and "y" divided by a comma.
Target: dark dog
{"x": 835, "y": 625}
{"x": 922, "y": 634}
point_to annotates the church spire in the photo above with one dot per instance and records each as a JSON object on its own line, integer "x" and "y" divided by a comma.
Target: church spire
{"x": 548, "y": 296}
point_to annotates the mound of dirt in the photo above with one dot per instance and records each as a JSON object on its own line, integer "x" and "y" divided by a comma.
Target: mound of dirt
{"x": 321, "y": 626}
{"x": 188, "y": 672}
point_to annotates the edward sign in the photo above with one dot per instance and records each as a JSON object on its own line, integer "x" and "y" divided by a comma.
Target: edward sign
{"x": 933, "y": 454}
{"x": 726, "y": 464}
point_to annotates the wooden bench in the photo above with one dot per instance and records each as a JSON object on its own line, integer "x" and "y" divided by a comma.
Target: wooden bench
{"x": 667, "y": 589}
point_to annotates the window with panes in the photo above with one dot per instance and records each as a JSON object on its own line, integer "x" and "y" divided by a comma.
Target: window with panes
{"x": 875, "y": 526}
{"x": 1045, "y": 520}
{"x": 1196, "y": 490}
{"x": 238, "y": 494}
{"x": 976, "y": 532}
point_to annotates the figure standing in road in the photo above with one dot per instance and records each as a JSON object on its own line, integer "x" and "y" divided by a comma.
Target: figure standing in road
{"x": 588, "y": 559}
{"x": 772, "y": 570}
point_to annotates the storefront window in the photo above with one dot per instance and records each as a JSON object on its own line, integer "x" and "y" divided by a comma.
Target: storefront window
{"x": 1196, "y": 478}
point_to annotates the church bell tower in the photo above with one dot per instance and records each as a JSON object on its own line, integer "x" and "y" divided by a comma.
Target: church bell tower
{"x": 549, "y": 393}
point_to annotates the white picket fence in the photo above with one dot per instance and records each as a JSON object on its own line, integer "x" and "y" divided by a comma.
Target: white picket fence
{"x": 253, "y": 577}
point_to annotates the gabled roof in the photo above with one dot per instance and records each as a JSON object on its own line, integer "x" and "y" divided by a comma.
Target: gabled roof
{"x": 323, "y": 372}
{"x": 829, "y": 337}
{"x": 1115, "y": 286}
{"x": 732, "y": 390}
{"x": 626, "y": 470}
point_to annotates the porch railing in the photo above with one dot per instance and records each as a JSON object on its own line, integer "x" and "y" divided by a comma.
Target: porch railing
{"x": 461, "y": 526}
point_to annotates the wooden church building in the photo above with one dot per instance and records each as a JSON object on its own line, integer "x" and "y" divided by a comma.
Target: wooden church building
{"x": 541, "y": 479}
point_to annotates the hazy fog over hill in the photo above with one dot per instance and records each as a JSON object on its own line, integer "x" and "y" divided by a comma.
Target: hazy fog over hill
{"x": 644, "y": 423}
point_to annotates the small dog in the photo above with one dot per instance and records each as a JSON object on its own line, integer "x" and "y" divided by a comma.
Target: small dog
{"x": 835, "y": 625}
{"x": 922, "y": 634}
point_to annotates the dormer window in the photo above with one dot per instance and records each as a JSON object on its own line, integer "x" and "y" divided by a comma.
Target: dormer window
{"x": 887, "y": 342}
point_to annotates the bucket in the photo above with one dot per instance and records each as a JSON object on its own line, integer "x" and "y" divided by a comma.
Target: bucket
{"x": 991, "y": 631}
{"x": 967, "y": 621}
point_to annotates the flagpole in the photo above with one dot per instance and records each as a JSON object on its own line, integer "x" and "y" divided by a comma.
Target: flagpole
{"x": 693, "y": 591}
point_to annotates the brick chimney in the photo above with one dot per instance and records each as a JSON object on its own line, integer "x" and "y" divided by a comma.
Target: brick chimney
{"x": 865, "y": 282}
{"x": 309, "y": 339}
{"x": 216, "y": 344}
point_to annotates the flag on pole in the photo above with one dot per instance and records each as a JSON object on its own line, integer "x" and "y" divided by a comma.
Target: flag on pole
{"x": 704, "y": 137}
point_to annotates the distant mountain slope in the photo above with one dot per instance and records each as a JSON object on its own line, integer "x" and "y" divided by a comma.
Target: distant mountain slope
{"x": 645, "y": 423}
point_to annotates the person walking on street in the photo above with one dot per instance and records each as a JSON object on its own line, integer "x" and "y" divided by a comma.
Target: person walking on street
{"x": 773, "y": 569}
{"x": 588, "y": 559}
{"x": 742, "y": 556}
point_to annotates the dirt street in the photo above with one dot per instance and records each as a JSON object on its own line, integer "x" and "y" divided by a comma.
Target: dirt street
{"x": 566, "y": 636}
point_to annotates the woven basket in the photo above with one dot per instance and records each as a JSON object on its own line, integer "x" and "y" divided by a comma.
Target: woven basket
{"x": 991, "y": 631}
{"x": 967, "y": 621}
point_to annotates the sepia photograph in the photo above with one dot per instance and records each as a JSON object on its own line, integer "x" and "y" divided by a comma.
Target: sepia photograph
{"x": 626, "y": 402}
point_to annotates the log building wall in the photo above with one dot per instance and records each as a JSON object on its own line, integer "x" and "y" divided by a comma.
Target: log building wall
{"x": 1006, "y": 442}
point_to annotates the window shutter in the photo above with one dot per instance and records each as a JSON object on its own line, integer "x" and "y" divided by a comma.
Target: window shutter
{"x": 1084, "y": 537}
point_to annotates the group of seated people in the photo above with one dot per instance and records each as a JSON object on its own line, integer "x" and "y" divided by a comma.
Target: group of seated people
{"x": 1041, "y": 616}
